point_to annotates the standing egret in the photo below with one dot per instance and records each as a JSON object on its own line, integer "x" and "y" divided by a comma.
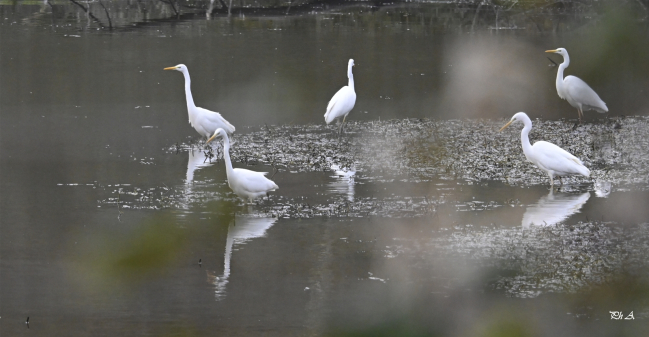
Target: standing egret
{"x": 343, "y": 101}
{"x": 576, "y": 91}
{"x": 547, "y": 156}
{"x": 245, "y": 183}
{"x": 204, "y": 121}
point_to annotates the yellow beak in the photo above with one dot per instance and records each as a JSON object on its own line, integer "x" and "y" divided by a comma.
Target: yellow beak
{"x": 170, "y": 68}
{"x": 211, "y": 139}
{"x": 506, "y": 125}
{"x": 551, "y": 51}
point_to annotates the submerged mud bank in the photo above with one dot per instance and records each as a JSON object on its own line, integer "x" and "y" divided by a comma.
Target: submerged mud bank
{"x": 546, "y": 259}
{"x": 411, "y": 151}
{"x": 419, "y": 149}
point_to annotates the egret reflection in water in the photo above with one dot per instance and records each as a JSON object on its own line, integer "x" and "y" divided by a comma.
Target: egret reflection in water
{"x": 246, "y": 228}
{"x": 344, "y": 183}
{"x": 196, "y": 159}
{"x": 553, "y": 208}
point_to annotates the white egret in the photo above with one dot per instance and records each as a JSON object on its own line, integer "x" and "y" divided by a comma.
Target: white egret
{"x": 204, "y": 121}
{"x": 244, "y": 183}
{"x": 547, "y": 156}
{"x": 576, "y": 91}
{"x": 343, "y": 101}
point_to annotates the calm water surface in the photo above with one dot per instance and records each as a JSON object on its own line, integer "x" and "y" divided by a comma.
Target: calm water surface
{"x": 90, "y": 178}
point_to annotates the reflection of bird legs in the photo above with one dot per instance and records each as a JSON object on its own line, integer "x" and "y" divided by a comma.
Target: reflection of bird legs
{"x": 250, "y": 202}
{"x": 560, "y": 184}
{"x": 552, "y": 183}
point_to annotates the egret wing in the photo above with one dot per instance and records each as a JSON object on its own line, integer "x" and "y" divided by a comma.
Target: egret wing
{"x": 340, "y": 104}
{"x": 209, "y": 121}
{"x": 254, "y": 182}
{"x": 581, "y": 93}
{"x": 554, "y": 158}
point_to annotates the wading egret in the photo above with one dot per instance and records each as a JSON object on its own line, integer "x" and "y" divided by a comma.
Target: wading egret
{"x": 204, "y": 121}
{"x": 547, "y": 156}
{"x": 576, "y": 91}
{"x": 244, "y": 183}
{"x": 343, "y": 101}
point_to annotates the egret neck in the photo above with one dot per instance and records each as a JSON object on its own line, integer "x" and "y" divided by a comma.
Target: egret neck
{"x": 226, "y": 156}
{"x": 525, "y": 139}
{"x": 350, "y": 75}
{"x": 562, "y": 67}
{"x": 188, "y": 95}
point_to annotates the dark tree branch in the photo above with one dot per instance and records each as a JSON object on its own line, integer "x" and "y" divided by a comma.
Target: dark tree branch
{"x": 172, "y": 6}
{"x": 88, "y": 12}
{"x": 110, "y": 23}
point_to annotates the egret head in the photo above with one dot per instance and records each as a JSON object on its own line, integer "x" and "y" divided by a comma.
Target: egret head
{"x": 219, "y": 133}
{"x": 520, "y": 116}
{"x": 561, "y": 51}
{"x": 180, "y": 67}
{"x": 351, "y": 62}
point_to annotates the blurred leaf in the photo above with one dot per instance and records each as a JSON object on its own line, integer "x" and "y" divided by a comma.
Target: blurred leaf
{"x": 145, "y": 251}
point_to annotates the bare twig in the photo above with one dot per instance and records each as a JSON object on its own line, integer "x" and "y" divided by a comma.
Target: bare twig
{"x": 275, "y": 170}
{"x": 88, "y": 12}
{"x": 475, "y": 17}
{"x": 110, "y": 23}
{"x": 170, "y": 2}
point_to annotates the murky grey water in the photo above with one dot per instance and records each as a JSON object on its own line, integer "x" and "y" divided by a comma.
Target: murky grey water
{"x": 421, "y": 219}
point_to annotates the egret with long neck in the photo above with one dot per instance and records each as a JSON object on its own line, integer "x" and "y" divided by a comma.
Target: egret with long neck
{"x": 576, "y": 91}
{"x": 244, "y": 183}
{"x": 343, "y": 101}
{"x": 204, "y": 121}
{"x": 547, "y": 156}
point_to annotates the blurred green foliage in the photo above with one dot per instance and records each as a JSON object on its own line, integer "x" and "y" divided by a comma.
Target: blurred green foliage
{"x": 141, "y": 251}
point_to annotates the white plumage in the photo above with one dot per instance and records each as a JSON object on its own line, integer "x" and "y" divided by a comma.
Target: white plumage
{"x": 244, "y": 183}
{"x": 343, "y": 101}
{"x": 547, "y": 156}
{"x": 576, "y": 91}
{"x": 204, "y": 121}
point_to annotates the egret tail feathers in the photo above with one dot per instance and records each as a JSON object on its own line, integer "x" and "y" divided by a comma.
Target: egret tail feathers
{"x": 229, "y": 128}
{"x": 583, "y": 170}
{"x": 327, "y": 114}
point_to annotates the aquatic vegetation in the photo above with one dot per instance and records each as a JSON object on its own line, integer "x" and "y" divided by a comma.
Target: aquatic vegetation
{"x": 421, "y": 149}
{"x": 413, "y": 151}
